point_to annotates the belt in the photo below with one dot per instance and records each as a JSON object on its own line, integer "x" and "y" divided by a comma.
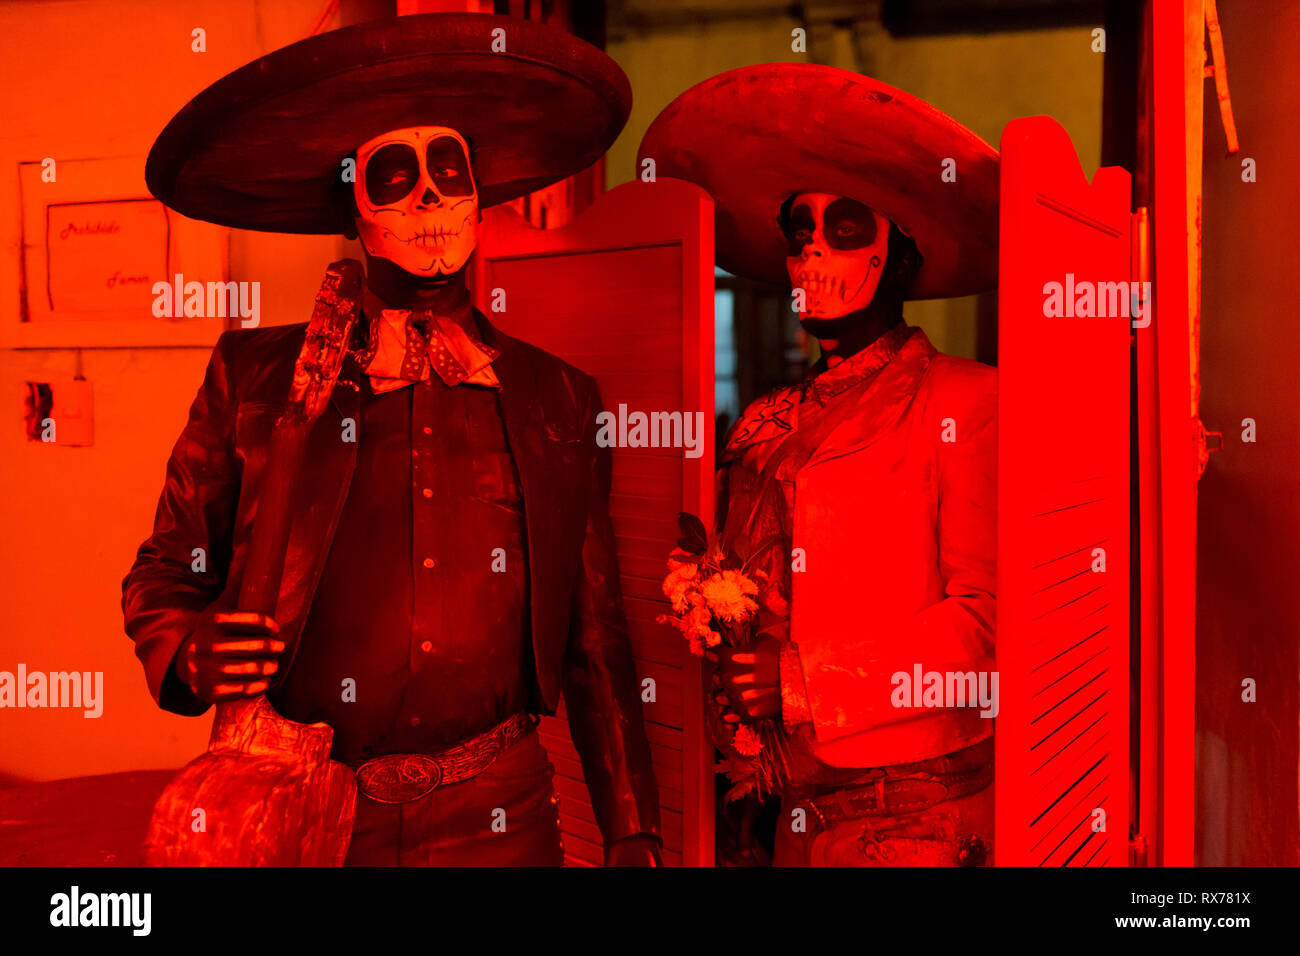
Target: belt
{"x": 892, "y": 792}
{"x": 402, "y": 778}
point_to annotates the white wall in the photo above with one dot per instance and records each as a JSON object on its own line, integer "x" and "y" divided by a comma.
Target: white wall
{"x": 85, "y": 80}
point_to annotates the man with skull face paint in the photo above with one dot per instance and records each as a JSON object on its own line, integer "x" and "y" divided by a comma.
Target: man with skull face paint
{"x": 416, "y": 200}
{"x": 454, "y": 561}
{"x": 877, "y": 473}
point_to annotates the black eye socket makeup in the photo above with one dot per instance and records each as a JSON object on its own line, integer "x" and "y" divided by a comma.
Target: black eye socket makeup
{"x": 849, "y": 225}
{"x": 846, "y": 225}
{"x": 449, "y": 167}
{"x": 799, "y": 229}
{"x": 391, "y": 173}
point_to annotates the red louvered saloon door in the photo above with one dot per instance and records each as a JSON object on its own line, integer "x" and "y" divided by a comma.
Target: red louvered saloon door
{"x": 1063, "y": 495}
{"x": 625, "y": 293}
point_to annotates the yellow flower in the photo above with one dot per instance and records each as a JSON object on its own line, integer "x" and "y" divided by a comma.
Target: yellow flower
{"x": 728, "y": 595}
{"x": 746, "y": 741}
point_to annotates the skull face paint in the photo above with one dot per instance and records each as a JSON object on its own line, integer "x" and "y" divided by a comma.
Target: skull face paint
{"x": 417, "y": 202}
{"x": 836, "y": 250}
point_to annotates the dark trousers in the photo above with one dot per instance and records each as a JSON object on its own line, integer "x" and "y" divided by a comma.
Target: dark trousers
{"x": 505, "y": 816}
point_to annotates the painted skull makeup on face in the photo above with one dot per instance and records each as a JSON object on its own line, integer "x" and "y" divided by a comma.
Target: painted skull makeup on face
{"x": 836, "y": 249}
{"x": 417, "y": 203}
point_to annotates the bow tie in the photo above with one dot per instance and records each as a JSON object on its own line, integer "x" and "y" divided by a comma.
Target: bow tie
{"x": 407, "y": 347}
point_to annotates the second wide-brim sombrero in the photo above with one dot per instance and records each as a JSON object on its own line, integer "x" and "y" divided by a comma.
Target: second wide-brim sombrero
{"x": 752, "y": 137}
{"x": 262, "y": 148}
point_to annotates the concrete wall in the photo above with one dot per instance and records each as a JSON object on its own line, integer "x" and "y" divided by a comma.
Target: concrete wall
{"x": 1248, "y": 552}
{"x": 84, "y": 80}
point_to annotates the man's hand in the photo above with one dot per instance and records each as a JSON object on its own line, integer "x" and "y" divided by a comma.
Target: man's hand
{"x": 231, "y": 654}
{"x": 640, "y": 849}
{"x": 747, "y": 680}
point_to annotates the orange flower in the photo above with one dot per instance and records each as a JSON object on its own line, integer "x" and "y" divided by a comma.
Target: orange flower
{"x": 746, "y": 741}
{"x": 729, "y": 596}
{"x": 679, "y": 585}
{"x": 697, "y": 602}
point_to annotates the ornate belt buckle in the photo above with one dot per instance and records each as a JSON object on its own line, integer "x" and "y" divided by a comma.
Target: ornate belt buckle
{"x": 400, "y": 778}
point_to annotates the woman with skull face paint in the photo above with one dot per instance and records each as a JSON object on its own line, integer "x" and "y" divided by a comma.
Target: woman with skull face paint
{"x": 452, "y": 557}
{"x": 877, "y": 472}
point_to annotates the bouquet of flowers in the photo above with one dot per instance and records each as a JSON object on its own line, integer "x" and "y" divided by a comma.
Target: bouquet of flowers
{"x": 713, "y": 598}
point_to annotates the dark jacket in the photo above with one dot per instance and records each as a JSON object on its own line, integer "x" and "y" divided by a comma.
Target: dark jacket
{"x": 578, "y": 633}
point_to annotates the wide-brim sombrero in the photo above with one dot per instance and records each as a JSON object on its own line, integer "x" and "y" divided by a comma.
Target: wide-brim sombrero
{"x": 752, "y": 137}
{"x": 262, "y": 148}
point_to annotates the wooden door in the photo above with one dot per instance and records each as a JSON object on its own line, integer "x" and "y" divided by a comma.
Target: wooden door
{"x": 1063, "y": 492}
{"x": 625, "y": 293}
{"x": 1172, "y": 440}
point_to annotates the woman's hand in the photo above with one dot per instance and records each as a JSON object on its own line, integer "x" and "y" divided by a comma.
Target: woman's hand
{"x": 747, "y": 680}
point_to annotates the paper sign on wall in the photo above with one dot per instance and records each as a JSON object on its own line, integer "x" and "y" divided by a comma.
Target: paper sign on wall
{"x": 105, "y": 256}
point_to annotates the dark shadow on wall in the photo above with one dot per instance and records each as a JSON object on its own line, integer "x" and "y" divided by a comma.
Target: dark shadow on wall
{"x": 1248, "y": 552}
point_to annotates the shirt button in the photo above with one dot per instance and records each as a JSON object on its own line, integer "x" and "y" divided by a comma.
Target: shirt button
{"x": 426, "y": 646}
{"x": 428, "y": 492}
{"x": 428, "y": 430}
{"x": 415, "y": 721}
{"x": 428, "y": 562}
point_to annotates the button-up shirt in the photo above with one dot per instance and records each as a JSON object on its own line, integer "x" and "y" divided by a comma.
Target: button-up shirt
{"x": 417, "y": 636}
